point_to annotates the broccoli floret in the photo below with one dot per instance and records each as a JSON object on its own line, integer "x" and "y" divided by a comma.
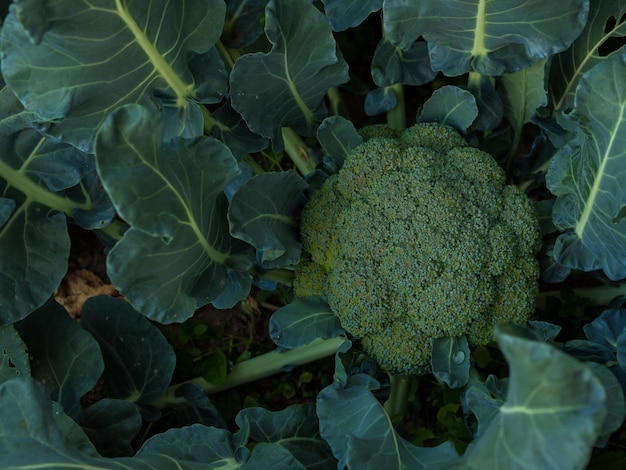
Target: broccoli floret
{"x": 417, "y": 238}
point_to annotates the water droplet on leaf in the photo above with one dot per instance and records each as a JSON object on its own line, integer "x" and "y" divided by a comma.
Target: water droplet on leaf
{"x": 458, "y": 357}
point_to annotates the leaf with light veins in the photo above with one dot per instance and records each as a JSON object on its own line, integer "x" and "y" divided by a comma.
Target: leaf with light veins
{"x": 588, "y": 175}
{"x": 178, "y": 253}
{"x": 286, "y": 87}
{"x": 74, "y": 61}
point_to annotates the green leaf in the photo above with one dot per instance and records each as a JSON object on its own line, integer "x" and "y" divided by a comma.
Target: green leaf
{"x": 63, "y": 356}
{"x": 361, "y": 434}
{"x": 228, "y": 126}
{"x": 73, "y": 63}
{"x": 345, "y": 14}
{"x": 32, "y": 433}
{"x": 111, "y": 425}
{"x": 522, "y": 93}
{"x": 286, "y": 87}
{"x": 490, "y": 37}
{"x": 197, "y": 443}
{"x": 616, "y": 408}
{"x": 338, "y": 137}
{"x": 34, "y": 245}
{"x": 138, "y": 360}
{"x": 606, "y": 24}
{"x": 392, "y": 65}
{"x": 450, "y": 360}
{"x": 13, "y": 355}
{"x": 452, "y": 106}
{"x": 302, "y": 321}
{"x": 552, "y": 415}
{"x": 588, "y": 175}
{"x": 244, "y": 22}
{"x": 490, "y": 106}
{"x": 294, "y": 428}
{"x": 178, "y": 253}
{"x": 263, "y": 213}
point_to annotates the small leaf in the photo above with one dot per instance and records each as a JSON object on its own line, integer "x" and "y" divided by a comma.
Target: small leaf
{"x": 294, "y": 428}
{"x": 244, "y": 22}
{"x": 344, "y": 14}
{"x": 263, "y": 213}
{"x": 286, "y": 87}
{"x": 63, "y": 356}
{"x": 522, "y": 93}
{"x": 302, "y": 321}
{"x": 452, "y": 106}
{"x": 356, "y": 427}
{"x": 111, "y": 425}
{"x": 380, "y": 100}
{"x": 607, "y": 328}
{"x": 392, "y": 65}
{"x": 450, "y": 360}
{"x": 139, "y": 361}
{"x": 197, "y": 408}
{"x": 338, "y": 137}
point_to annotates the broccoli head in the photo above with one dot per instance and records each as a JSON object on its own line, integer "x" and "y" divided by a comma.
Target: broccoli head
{"x": 418, "y": 237}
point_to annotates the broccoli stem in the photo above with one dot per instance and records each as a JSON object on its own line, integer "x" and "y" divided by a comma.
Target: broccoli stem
{"x": 257, "y": 368}
{"x": 282, "y": 276}
{"x": 396, "y": 118}
{"x": 597, "y": 296}
{"x": 399, "y": 396}
{"x": 114, "y": 230}
{"x": 297, "y": 151}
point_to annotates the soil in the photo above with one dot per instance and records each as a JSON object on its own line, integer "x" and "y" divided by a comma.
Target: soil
{"x": 243, "y": 328}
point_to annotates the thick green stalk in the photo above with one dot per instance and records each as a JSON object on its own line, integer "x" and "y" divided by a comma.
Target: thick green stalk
{"x": 399, "y": 396}
{"x": 37, "y": 193}
{"x": 259, "y": 367}
{"x": 297, "y": 151}
{"x": 396, "y": 118}
{"x": 598, "y": 296}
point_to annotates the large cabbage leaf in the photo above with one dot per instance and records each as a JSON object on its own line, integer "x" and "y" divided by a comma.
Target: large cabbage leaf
{"x": 73, "y": 62}
{"x": 361, "y": 433}
{"x": 489, "y": 37}
{"x": 553, "y": 413}
{"x": 35, "y": 175}
{"x": 588, "y": 175}
{"x": 178, "y": 253}
{"x": 40, "y": 434}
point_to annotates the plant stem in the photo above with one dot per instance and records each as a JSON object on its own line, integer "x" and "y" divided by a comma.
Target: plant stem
{"x": 114, "y": 230}
{"x": 396, "y": 118}
{"x": 398, "y": 398}
{"x": 297, "y": 151}
{"x": 37, "y": 193}
{"x": 597, "y": 296}
{"x": 282, "y": 276}
{"x": 257, "y": 368}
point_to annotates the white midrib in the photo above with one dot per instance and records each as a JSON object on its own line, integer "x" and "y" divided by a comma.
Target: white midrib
{"x": 164, "y": 69}
{"x": 479, "y": 30}
{"x": 595, "y": 189}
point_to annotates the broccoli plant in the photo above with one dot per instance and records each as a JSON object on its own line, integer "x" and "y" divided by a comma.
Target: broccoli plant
{"x": 419, "y": 238}
{"x": 460, "y": 255}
